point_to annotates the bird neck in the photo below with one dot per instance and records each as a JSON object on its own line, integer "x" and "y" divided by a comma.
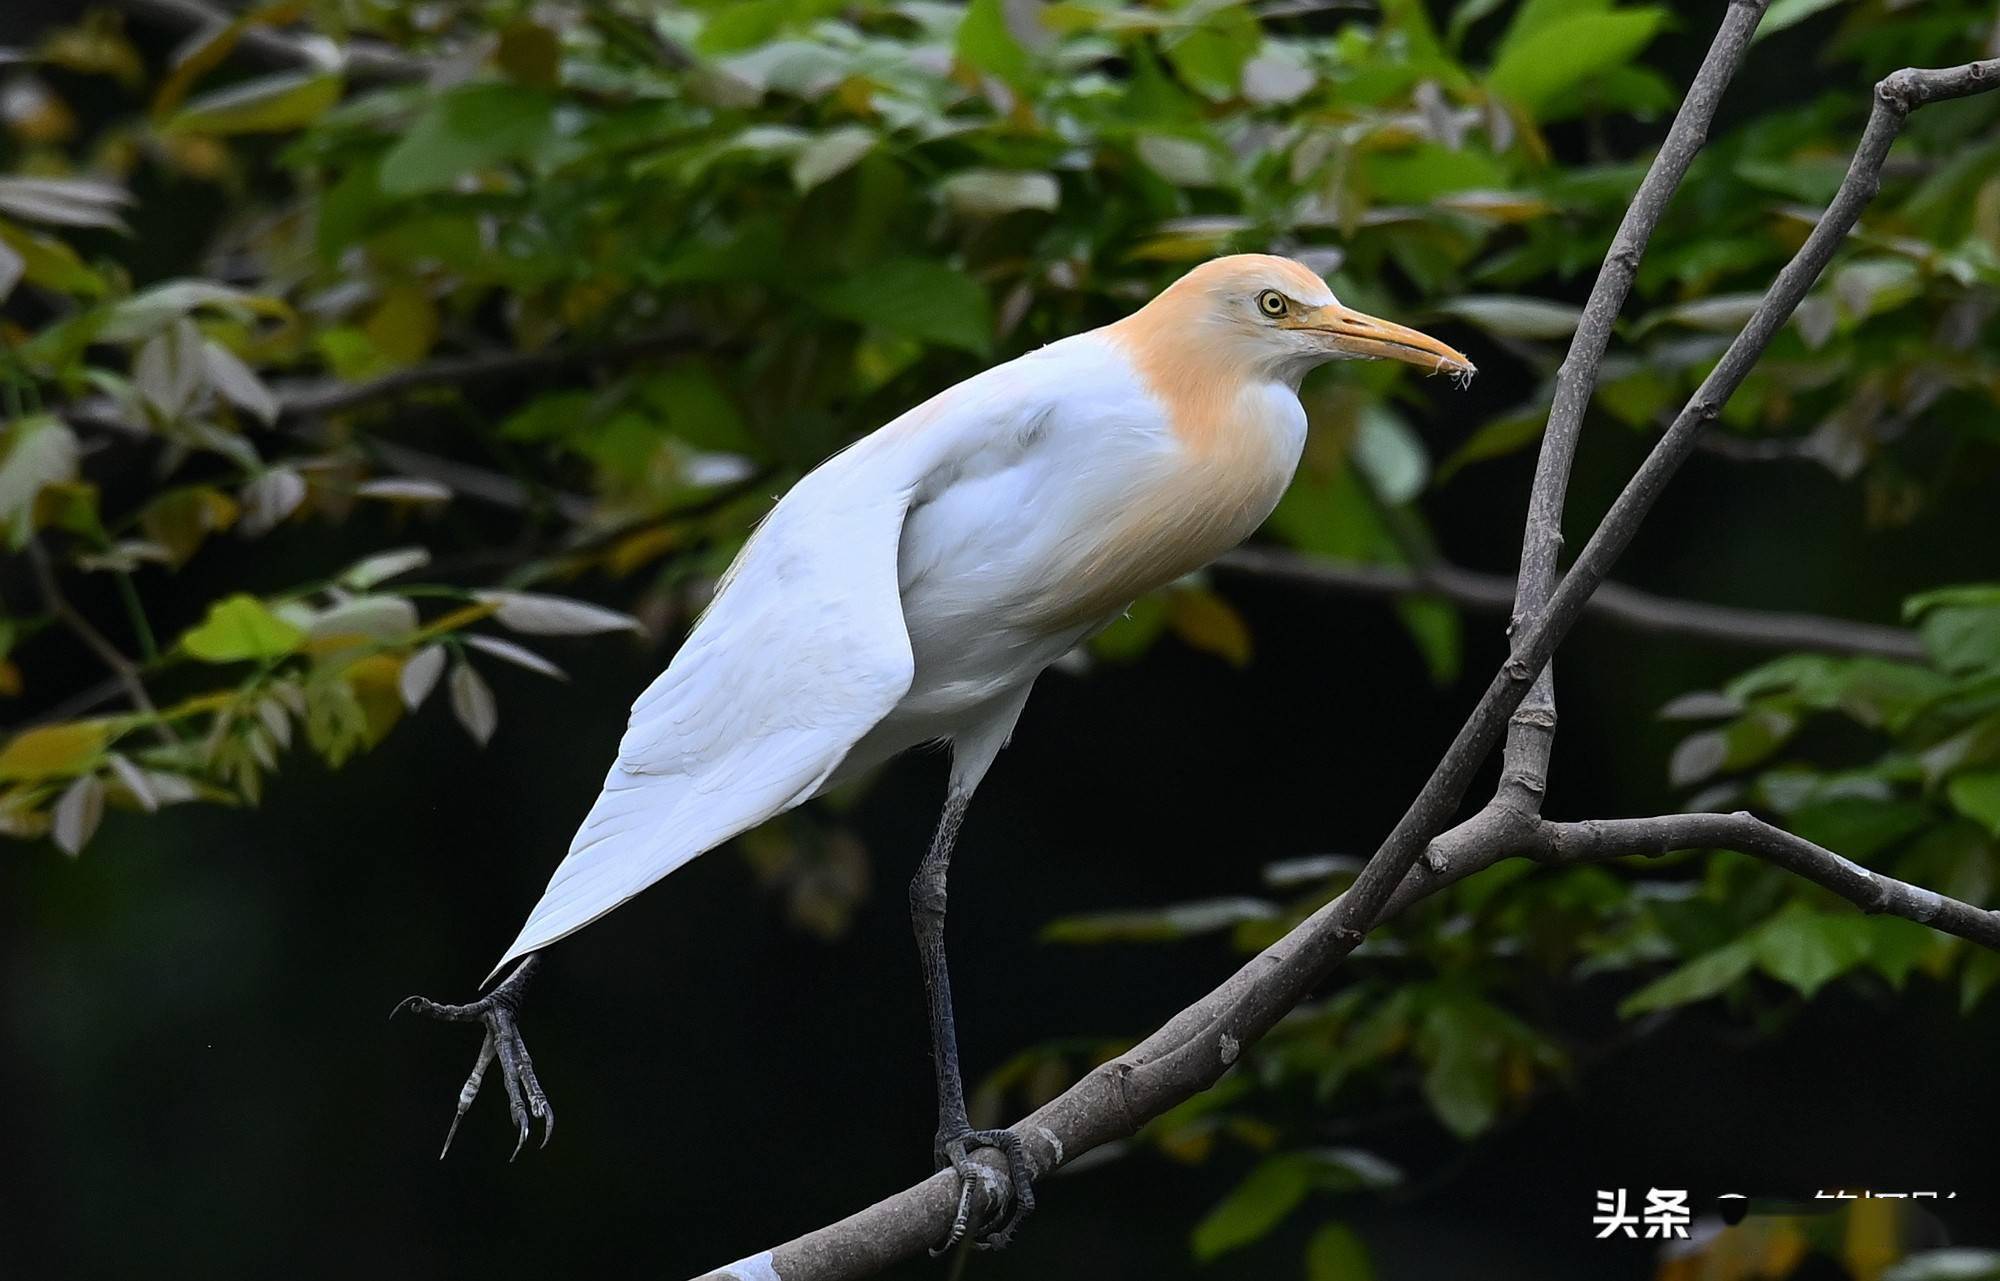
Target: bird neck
{"x": 1203, "y": 373}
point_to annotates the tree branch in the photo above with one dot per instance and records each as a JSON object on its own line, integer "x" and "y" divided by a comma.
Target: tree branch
{"x": 1613, "y": 603}
{"x": 1531, "y": 735}
{"x": 1194, "y": 1048}
{"x": 1602, "y": 840}
{"x": 319, "y": 397}
{"x": 360, "y": 60}
{"x": 123, "y": 670}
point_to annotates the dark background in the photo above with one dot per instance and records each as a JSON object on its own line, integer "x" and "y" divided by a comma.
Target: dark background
{"x": 199, "y": 1079}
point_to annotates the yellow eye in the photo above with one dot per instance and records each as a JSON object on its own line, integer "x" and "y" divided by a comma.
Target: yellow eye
{"x": 1271, "y": 303}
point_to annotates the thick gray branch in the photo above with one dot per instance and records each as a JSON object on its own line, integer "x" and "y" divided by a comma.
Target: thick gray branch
{"x": 1531, "y": 736}
{"x": 1613, "y": 603}
{"x": 1193, "y": 1050}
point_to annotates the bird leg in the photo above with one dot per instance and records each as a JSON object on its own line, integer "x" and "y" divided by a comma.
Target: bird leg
{"x": 497, "y": 1011}
{"x": 956, "y": 1139}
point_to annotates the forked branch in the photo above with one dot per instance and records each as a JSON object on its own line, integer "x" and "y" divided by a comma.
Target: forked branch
{"x": 1193, "y": 1050}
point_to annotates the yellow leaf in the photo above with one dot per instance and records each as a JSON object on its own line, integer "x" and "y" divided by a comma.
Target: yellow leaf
{"x": 1871, "y": 1242}
{"x": 182, "y": 519}
{"x": 635, "y": 550}
{"x": 50, "y": 263}
{"x": 96, "y": 46}
{"x": 403, "y": 325}
{"x": 530, "y": 53}
{"x": 465, "y": 616}
{"x": 1209, "y": 623}
{"x": 10, "y": 678}
{"x": 207, "y": 52}
{"x": 374, "y": 681}
{"x": 275, "y": 103}
{"x": 50, "y": 751}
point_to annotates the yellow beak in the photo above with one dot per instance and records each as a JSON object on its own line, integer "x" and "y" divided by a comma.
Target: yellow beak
{"x": 1353, "y": 333}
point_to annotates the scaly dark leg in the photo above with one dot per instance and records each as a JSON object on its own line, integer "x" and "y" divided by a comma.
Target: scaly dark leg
{"x": 956, "y": 1139}
{"x": 497, "y": 1011}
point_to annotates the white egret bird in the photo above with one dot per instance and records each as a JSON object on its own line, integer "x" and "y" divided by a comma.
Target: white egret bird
{"x": 911, "y": 588}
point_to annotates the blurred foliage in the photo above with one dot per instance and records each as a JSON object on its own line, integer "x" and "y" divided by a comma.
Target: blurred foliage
{"x": 744, "y": 233}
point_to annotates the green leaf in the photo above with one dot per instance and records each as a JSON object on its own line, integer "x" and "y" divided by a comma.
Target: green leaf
{"x": 830, "y": 155}
{"x": 1537, "y": 15}
{"x": 1439, "y": 632}
{"x": 1806, "y": 949}
{"x": 1272, "y": 1191}
{"x": 1391, "y": 454}
{"x": 238, "y": 628}
{"x": 1211, "y": 53}
{"x": 742, "y": 24}
{"x": 1981, "y": 972}
{"x": 45, "y": 261}
{"x": 1977, "y": 796}
{"x": 1698, "y": 980}
{"x": 1132, "y": 632}
{"x": 1858, "y": 827}
{"x": 1963, "y": 638}
{"x": 1510, "y": 317}
{"x": 1336, "y": 1254}
{"x": 1341, "y": 1170}
{"x": 35, "y": 452}
{"x": 1496, "y": 439}
{"x": 1969, "y": 594}
{"x": 269, "y": 104}
{"x": 1464, "y": 14}
{"x": 985, "y": 43}
{"x": 1897, "y": 946}
{"x": 471, "y": 128}
{"x": 1462, "y": 1080}
{"x": 988, "y": 193}
{"x": 1181, "y": 920}
{"x": 1789, "y": 13}
{"x": 916, "y": 298}
{"x": 1550, "y": 64}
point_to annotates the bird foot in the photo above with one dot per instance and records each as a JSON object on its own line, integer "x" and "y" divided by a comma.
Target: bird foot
{"x": 1017, "y": 1196}
{"x": 497, "y": 1011}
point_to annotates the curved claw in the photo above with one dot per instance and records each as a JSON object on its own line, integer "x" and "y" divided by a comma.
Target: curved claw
{"x": 526, "y": 1100}
{"x": 959, "y": 1221}
{"x": 1020, "y": 1192}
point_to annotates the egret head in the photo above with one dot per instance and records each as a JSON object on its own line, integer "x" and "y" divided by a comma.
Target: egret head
{"x": 1276, "y": 317}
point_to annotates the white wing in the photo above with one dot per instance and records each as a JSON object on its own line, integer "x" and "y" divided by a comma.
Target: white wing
{"x": 803, "y": 651}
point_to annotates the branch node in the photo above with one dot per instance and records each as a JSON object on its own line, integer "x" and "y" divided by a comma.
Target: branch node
{"x": 1436, "y": 860}
{"x": 1531, "y": 783}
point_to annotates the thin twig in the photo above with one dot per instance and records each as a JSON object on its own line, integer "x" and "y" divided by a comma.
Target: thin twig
{"x": 318, "y": 398}
{"x": 360, "y": 60}
{"x": 123, "y": 669}
{"x": 1613, "y": 603}
{"x": 1602, "y": 840}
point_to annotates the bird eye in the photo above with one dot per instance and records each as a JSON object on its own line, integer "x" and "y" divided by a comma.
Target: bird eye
{"x": 1271, "y": 303}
